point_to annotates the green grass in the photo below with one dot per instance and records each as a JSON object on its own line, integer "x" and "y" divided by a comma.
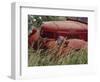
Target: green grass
{"x": 46, "y": 58}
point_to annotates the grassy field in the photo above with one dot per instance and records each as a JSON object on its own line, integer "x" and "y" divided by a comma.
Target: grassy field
{"x": 46, "y": 58}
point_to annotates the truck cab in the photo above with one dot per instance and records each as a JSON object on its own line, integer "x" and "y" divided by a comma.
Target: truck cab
{"x": 71, "y": 29}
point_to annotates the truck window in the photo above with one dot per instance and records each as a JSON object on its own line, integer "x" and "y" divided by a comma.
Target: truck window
{"x": 49, "y": 34}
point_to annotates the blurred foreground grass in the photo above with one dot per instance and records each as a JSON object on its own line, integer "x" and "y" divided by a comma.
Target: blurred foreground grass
{"x": 47, "y": 58}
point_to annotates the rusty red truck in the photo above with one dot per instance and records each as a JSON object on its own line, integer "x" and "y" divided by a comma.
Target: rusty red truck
{"x": 52, "y": 29}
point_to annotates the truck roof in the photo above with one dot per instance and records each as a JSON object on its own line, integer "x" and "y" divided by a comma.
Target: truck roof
{"x": 63, "y": 25}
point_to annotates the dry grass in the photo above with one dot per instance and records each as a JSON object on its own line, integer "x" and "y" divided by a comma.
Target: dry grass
{"x": 42, "y": 57}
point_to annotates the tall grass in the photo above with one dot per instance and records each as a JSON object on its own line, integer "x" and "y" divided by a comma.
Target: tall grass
{"x": 48, "y": 57}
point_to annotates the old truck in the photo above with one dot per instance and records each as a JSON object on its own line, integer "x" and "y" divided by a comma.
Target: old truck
{"x": 52, "y": 29}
